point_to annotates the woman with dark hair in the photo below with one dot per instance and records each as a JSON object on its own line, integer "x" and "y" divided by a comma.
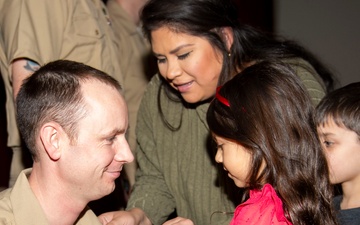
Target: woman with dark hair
{"x": 199, "y": 45}
{"x": 267, "y": 143}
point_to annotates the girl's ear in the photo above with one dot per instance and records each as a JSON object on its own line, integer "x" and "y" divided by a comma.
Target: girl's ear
{"x": 50, "y": 136}
{"x": 228, "y": 36}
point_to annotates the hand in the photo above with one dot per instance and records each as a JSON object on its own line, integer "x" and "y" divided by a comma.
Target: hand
{"x": 179, "y": 221}
{"x": 134, "y": 216}
{"x": 117, "y": 217}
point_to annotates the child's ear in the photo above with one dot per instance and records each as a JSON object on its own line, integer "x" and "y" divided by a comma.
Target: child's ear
{"x": 51, "y": 138}
{"x": 228, "y": 35}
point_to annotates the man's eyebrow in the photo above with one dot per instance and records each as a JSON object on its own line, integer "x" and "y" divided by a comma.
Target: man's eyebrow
{"x": 114, "y": 132}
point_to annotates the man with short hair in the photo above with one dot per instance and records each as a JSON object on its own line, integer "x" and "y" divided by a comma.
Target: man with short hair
{"x": 73, "y": 119}
{"x": 33, "y": 33}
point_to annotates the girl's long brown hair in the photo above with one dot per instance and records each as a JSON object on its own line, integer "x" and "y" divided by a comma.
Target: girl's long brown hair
{"x": 271, "y": 114}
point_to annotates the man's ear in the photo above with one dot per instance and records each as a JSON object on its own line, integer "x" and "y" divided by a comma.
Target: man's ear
{"x": 51, "y": 135}
{"x": 228, "y": 36}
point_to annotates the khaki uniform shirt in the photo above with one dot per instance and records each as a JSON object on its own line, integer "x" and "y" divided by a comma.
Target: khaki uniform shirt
{"x": 18, "y": 205}
{"x": 45, "y": 31}
{"x": 134, "y": 61}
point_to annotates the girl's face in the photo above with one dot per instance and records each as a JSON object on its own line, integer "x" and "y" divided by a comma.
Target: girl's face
{"x": 190, "y": 64}
{"x": 235, "y": 158}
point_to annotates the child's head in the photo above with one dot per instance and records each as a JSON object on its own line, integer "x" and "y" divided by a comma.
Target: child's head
{"x": 338, "y": 121}
{"x": 270, "y": 115}
{"x": 262, "y": 120}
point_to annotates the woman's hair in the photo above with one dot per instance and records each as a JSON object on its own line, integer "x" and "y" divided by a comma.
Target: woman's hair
{"x": 206, "y": 18}
{"x": 53, "y": 93}
{"x": 342, "y": 106}
{"x": 270, "y": 113}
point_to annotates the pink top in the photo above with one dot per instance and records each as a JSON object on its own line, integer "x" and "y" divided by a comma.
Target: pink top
{"x": 263, "y": 207}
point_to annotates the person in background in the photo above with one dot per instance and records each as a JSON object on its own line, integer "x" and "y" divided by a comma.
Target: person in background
{"x": 4, "y": 180}
{"x": 199, "y": 44}
{"x": 136, "y": 62}
{"x": 338, "y": 123}
{"x": 37, "y": 32}
{"x": 266, "y": 141}
{"x": 77, "y": 140}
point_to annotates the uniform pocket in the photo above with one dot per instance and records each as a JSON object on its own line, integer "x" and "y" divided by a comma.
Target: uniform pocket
{"x": 87, "y": 26}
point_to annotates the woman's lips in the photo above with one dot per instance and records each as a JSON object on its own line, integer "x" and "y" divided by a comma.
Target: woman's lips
{"x": 184, "y": 87}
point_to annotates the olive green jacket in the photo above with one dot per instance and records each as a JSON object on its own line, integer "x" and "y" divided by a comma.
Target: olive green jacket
{"x": 177, "y": 168}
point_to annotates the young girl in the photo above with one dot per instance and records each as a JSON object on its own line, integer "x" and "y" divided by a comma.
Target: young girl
{"x": 262, "y": 123}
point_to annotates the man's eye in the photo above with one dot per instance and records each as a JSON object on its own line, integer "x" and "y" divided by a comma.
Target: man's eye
{"x": 111, "y": 139}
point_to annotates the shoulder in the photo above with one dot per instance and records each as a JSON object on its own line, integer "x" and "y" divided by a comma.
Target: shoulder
{"x": 349, "y": 216}
{"x": 346, "y": 216}
{"x": 152, "y": 87}
{"x": 156, "y": 87}
{"x": 6, "y": 211}
{"x": 336, "y": 202}
{"x": 309, "y": 77}
{"x": 303, "y": 69}
{"x": 158, "y": 92}
{"x": 88, "y": 217}
{"x": 299, "y": 65}
{"x": 260, "y": 208}
{"x": 5, "y": 194}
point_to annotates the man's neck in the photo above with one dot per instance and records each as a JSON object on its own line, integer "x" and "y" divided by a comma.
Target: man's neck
{"x": 59, "y": 207}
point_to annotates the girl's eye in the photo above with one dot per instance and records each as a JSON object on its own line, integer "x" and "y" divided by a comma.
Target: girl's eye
{"x": 220, "y": 146}
{"x": 162, "y": 60}
{"x": 184, "y": 56}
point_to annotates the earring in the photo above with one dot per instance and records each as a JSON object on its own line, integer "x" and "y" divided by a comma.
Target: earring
{"x": 229, "y": 54}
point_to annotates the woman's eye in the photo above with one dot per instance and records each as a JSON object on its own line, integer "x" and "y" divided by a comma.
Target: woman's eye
{"x": 184, "y": 56}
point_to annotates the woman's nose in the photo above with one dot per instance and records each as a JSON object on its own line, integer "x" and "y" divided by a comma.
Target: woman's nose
{"x": 173, "y": 70}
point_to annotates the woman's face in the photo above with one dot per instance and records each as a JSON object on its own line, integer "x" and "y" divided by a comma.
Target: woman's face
{"x": 189, "y": 63}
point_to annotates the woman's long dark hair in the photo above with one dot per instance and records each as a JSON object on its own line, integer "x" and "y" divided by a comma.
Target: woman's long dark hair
{"x": 206, "y": 18}
{"x": 271, "y": 114}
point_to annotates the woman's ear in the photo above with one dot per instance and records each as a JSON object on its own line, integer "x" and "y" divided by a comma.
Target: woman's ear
{"x": 228, "y": 36}
{"x": 51, "y": 137}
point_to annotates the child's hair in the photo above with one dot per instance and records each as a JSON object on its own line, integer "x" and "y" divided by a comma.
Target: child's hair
{"x": 342, "y": 106}
{"x": 267, "y": 109}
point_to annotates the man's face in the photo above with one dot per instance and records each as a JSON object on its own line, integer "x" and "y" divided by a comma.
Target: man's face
{"x": 94, "y": 160}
